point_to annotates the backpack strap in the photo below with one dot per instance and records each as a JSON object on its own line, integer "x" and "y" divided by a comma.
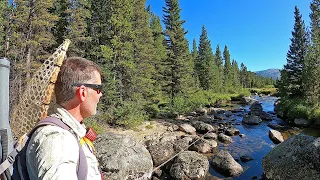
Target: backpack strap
{"x": 82, "y": 167}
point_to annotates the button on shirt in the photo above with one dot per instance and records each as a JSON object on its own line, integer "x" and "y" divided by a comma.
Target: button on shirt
{"x": 53, "y": 152}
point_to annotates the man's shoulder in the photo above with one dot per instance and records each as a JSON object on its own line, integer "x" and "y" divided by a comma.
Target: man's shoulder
{"x": 51, "y": 133}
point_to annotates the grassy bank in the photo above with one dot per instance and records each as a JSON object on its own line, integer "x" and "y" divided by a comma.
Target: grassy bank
{"x": 291, "y": 109}
{"x": 133, "y": 116}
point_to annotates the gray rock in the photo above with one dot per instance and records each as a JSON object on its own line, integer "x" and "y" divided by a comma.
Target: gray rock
{"x": 301, "y": 122}
{"x": 275, "y": 136}
{"x": 224, "y": 138}
{"x": 161, "y": 151}
{"x": 265, "y": 116}
{"x": 246, "y": 158}
{"x": 250, "y": 119}
{"x": 201, "y": 111}
{"x": 202, "y": 127}
{"x": 204, "y": 146}
{"x": 224, "y": 163}
{"x": 189, "y": 165}
{"x": 187, "y": 128}
{"x": 232, "y": 131}
{"x": 228, "y": 113}
{"x": 211, "y": 136}
{"x": 296, "y": 158}
{"x": 121, "y": 157}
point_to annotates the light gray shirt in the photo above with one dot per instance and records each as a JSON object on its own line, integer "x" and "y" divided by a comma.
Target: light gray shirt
{"x": 53, "y": 152}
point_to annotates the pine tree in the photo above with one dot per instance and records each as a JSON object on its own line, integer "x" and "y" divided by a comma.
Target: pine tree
{"x": 118, "y": 52}
{"x": 144, "y": 52}
{"x": 72, "y": 24}
{"x": 311, "y": 75}
{"x": 219, "y": 64}
{"x": 179, "y": 72}
{"x": 160, "y": 53}
{"x": 296, "y": 55}
{"x": 227, "y": 70}
{"x": 32, "y": 39}
{"x": 207, "y": 68}
{"x": 235, "y": 76}
{"x": 98, "y": 30}
{"x": 195, "y": 58}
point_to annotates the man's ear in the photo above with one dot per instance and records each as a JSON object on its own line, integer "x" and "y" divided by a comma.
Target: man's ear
{"x": 81, "y": 93}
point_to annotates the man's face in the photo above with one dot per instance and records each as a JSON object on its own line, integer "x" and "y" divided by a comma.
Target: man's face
{"x": 90, "y": 104}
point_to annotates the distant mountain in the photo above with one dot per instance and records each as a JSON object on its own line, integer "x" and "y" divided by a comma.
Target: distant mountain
{"x": 274, "y": 73}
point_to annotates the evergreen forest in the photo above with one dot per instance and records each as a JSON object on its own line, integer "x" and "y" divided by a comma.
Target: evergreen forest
{"x": 148, "y": 67}
{"x": 299, "y": 86}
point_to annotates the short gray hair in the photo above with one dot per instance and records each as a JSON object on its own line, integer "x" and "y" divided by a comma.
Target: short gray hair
{"x": 74, "y": 70}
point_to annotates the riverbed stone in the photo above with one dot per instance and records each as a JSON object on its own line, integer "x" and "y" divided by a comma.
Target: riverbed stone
{"x": 202, "y": 127}
{"x": 161, "y": 150}
{"x": 121, "y": 157}
{"x": 232, "y": 131}
{"x": 246, "y": 158}
{"x": 265, "y": 116}
{"x": 228, "y": 113}
{"x": 204, "y": 146}
{"x": 251, "y": 119}
{"x": 201, "y": 111}
{"x": 275, "y": 136}
{"x": 210, "y": 136}
{"x": 224, "y": 138}
{"x": 187, "y": 128}
{"x": 301, "y": 122}
{"x": 225, "y": 164}
{"x": 189, "y": 165}
{"x": 255, "y": 108}
{"x": 296, "y": 158}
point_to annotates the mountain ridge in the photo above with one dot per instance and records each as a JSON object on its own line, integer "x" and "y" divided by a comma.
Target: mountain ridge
{"x": 273, "y": 73}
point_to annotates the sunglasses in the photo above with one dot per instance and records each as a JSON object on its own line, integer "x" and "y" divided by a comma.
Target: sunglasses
{"x": 96, "y": 87}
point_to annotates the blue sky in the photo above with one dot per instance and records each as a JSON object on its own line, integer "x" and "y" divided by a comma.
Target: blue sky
{"x": 257, "y": 32}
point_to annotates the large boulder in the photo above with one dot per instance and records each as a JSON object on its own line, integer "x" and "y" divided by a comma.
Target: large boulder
{"x": 296, "y": 158}
{"x": 204, "y": 146}
{"x": 187, "y": 128}
{"x": 275, "y": 136}
{"x": 225, "y": 164}
{"x": 162, "y": 149}
{"x": 121, "y": 157}
{"x": 251, "y": 119}
{"x": 189, "y": 165}
{"x": 202, "y": 127}
{"x": 255, "y": 109}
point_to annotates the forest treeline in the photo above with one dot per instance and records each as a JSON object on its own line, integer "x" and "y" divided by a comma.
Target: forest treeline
{"x": 299, "y": 86}
{"x": 147, "y": 68}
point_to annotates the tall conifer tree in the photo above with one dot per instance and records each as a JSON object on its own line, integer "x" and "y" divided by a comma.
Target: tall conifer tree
{"x": 219, "y": 64}
{"x": 311, "y": 71}
{"x": 227, "y": 70}
{"x": 32, "y": 39}
{"x": 235, "y": 75}
{"x": 207, "y": 68}
{"x": 144, "y": 52}
{"x": 296, "y": 55}
{"x": 160, "y": 53}
{"x": 180, "y": 65}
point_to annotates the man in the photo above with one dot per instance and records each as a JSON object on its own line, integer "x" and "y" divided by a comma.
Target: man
{"x": 53, "y": 152}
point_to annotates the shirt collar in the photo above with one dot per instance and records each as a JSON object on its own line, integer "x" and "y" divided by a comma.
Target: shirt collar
{"x": 69, "y": 120}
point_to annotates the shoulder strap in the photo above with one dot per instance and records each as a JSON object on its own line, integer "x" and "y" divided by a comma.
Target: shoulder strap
{"x": 82, "y": 167}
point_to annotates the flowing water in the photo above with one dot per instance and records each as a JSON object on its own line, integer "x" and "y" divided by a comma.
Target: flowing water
{"x": 256, "y": 142}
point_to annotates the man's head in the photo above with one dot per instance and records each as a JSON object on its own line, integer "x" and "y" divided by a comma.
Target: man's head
{"x": 79, "y": 83}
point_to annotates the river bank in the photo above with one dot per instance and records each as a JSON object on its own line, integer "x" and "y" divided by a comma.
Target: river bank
{"x": 254, "y": 141}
